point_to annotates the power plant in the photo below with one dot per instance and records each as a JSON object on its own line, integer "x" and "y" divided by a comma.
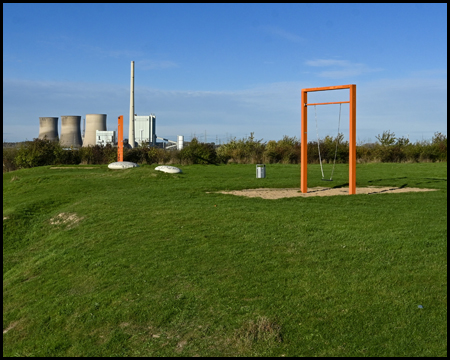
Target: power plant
{"x": 70, "y": 131}
{"x": 105, "y": 137}
{"x": 48, "y": 128}
{"x": 142, "y": 129}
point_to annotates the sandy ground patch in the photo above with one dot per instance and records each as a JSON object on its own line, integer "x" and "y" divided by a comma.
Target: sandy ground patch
{"x": 66, "y": 219}
{"x": 11, "y": 326}
{"x": 266, "y": 193}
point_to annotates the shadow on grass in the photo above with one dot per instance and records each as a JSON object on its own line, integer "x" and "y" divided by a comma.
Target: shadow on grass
{"x": 340, "y": 186}
{"x": 437, "y": 179}
{"x": 385, "y": 179}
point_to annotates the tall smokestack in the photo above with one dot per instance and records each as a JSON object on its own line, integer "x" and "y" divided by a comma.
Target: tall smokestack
{"x": 131, "y": 123}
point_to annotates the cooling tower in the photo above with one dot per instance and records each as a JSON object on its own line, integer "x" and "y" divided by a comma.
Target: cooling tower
{"x": 70, "y": 131}
{"x": 94, "y": 122}
{"x": 48, "y": 128}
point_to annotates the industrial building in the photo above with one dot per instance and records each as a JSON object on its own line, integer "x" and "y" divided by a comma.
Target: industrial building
{"x": 144, "y": 129}
{"x": 105, "y": 137}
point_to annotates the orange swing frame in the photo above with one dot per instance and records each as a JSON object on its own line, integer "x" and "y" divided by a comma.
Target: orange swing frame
{"x": 352, "y": 140}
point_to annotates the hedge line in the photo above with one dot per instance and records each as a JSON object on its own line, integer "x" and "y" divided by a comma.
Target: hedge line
{"x": 247, "y": 151}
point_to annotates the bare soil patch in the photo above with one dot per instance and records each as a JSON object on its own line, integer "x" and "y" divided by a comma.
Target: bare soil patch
{"x": 67, "y": 219}
{"x": 11, "y": 326}
{"x": 273, "y": 194}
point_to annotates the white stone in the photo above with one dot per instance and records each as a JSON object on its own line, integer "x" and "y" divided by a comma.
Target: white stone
{"x": 168, "y": 169}
{"x": 122, "y": 165}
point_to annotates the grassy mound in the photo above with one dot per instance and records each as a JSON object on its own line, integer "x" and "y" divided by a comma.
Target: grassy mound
{"x": 100, "y": 262}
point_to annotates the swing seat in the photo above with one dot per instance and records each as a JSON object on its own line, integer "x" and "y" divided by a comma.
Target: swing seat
{"x": 327, "y": 179}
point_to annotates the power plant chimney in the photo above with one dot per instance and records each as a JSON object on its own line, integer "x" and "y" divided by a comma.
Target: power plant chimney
{"x": 48, "y": 128}
{"x": 131, "y": 123}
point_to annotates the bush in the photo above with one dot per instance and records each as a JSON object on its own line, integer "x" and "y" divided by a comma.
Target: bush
{"x": 38, "y": 152}
{"x": 137, "y": 154}
{"x": 199, "y": 153}
{"x": 364, "y": 153}
{"x": 334, "y": 148}
{"x": 246, "y": 150}
{"x": 387, "y": 153}
{"x": 389, "y": 148}
{"x": 289, "y": 150}
{"x": 387, "y": 138}
{"x": 439, "y": 145}
{"x": 286, "y": 151}
{"x": 98, "y": 154}
{"x": 9, "y": 163}
{"x": 153, "y": 155}
{"x": 271, "y": 153}
{"x": 313, "y": 152}
{"x": 68, "y": 157}
{"x": 436, "y": 150}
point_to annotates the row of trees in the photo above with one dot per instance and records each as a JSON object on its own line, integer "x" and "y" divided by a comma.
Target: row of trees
{"x": 388, "y": 148}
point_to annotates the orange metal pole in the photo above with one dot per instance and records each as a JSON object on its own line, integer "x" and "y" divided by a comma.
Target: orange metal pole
{"x": 120, "y": 139}
{"x": 338, "y": 87}
{"x": 304, "y": 144}
{"x": 352, "y": 142}
{"x": 328, "y": 103}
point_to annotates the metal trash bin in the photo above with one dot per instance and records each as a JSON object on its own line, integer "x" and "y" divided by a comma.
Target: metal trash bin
{"x": 260, "y": 171}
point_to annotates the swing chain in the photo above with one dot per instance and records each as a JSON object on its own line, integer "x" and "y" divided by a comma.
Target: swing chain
{"x": 318, "y": 144}
{"x": 337, "y": 141}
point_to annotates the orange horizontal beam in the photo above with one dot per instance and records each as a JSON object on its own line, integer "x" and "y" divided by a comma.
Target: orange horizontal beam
{"x": 328, "y": 88}
{"x": 327, "y": 103}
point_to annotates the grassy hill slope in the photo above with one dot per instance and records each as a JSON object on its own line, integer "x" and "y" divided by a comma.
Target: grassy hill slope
{"x": 100, "y": 262}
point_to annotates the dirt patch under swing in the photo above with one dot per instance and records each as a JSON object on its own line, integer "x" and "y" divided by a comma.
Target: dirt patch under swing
{"x": 266, "y": 193}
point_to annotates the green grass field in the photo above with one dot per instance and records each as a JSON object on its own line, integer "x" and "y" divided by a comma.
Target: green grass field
{"x": 153, "y": 264}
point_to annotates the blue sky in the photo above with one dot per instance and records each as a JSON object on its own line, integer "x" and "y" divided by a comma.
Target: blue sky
{"x": 226, "y": 70}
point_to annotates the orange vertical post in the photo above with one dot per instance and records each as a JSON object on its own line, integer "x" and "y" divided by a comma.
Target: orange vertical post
{"x": 352, "y": 142}
{"x": 120, "y": 139}
{"x": 304, "y": 144}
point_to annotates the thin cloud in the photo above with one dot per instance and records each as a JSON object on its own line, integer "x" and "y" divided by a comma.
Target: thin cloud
{"x": 340, "y": 68}
{"x": 102, "y": 52}
{"x": 152, "y": 65}
{"x": 66, "y": 43}
{"x": 327, "y": 62}
{"x": 351, "y": 71}
{"x": 430, "y": 73}
{"x": 417, "y": 107}
{"x": 281, "y": 33}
